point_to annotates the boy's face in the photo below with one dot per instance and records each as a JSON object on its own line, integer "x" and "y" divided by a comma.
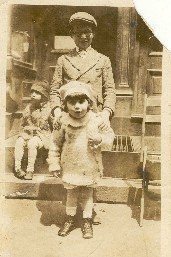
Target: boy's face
{"x": 36, "y": 96}
{"x": 82, "y": 35}
{"x": 77, "y": 107}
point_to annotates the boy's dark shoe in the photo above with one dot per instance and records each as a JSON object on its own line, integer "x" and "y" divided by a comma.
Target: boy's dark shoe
{"x": 68, "y": 226}
{"x": 28, "y": 175}
{"x": 20, "y": 173}
{"x": 87, "y": 228}
{"x": 95, "y": 218}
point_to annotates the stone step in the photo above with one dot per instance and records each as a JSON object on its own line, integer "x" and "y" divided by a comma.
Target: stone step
{"x": 108, "y": 190}
{"x": 153, "y": 129}
{"x": 46, "y": 187}
{"x": 133, "y": 127}
{"x": 153, "y": 169}
{"x": 113, "y": 162}
{"x": 153, "y": 143}
{"x": 125, "y": 165}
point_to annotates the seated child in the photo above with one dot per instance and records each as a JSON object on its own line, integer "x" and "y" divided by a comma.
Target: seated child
{"x": 36, "y": 132}
{"x": 75, "y": 149}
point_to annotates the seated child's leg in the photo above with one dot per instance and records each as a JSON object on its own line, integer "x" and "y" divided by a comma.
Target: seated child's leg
{"x": 18, "y": 153}
{"x": 87, "y": 205}
{"x": 33, "y": 145}
{"x": 71, "y": 207}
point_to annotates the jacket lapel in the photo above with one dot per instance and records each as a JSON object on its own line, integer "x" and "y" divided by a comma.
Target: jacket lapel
{"x": 90, "y": 61}
{"x": 74, "y": 59}
{"x": 83, "y": 65}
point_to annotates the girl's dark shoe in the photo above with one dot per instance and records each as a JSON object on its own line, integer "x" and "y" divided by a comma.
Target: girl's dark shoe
{"x": 68, "y": 226}
{"x": 87, "y": 228}
{"x": 28, "y": 175}
{"x": 20, "y": 173}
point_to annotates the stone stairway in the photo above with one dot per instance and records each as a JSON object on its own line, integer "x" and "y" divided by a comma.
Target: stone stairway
{"x": 121, "y": 182}
{"x": 122, "y": 172}
{"x": 115, "y": 187}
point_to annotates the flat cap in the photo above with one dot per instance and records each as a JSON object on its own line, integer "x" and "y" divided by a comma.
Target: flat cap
{"x": 83, "y": 16}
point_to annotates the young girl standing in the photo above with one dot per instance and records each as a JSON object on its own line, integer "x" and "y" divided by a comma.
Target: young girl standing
{"x": 76, "y": 151}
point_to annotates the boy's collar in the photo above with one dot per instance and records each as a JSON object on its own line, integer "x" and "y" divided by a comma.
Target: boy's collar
{"x": 79, "y": 50}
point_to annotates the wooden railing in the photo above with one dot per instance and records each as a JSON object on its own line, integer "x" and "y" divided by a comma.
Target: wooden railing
{"x": 125, "y": 143}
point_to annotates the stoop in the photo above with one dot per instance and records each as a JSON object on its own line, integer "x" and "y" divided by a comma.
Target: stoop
{"x": 108, "y": 190}
{"x": 46, "y": 187}
{"x": 122, "y": 181}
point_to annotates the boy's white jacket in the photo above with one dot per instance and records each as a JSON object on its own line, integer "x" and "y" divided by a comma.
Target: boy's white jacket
{"x": 71, "y": 153}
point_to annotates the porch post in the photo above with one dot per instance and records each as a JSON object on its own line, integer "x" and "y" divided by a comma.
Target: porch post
{"x": 123, "y": 46}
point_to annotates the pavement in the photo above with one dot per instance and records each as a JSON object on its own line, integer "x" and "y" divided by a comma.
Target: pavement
{"x": 29, "y": 229}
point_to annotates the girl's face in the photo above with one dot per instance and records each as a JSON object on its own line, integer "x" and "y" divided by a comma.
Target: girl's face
{"x": 77, "y": 107}
{"x": 36, "y": 96}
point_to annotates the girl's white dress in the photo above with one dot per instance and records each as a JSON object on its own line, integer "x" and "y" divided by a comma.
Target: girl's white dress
{"x": 80, "y": 163}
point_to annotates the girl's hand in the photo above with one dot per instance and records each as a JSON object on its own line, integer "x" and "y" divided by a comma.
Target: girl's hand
{"x": 94, "y": 139}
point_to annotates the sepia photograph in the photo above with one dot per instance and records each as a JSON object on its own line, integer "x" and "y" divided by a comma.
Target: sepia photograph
{"x": 83, "y": 104}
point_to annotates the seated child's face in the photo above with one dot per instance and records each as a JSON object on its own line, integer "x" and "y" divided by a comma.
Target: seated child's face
{"x": 77, "y": 107}
{"x": 36, "y": 96}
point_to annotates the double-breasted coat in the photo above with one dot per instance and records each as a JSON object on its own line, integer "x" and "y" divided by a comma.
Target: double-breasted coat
{"x": 95, "y": 69}
{"x": 69, "y": 149}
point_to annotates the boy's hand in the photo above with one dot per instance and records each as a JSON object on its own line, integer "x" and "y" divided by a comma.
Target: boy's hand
{"x": 105, "y": 123}
{"x": 57, "y": 115}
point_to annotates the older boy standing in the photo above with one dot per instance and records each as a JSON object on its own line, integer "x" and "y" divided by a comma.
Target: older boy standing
{"x": 87, "y": 65}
